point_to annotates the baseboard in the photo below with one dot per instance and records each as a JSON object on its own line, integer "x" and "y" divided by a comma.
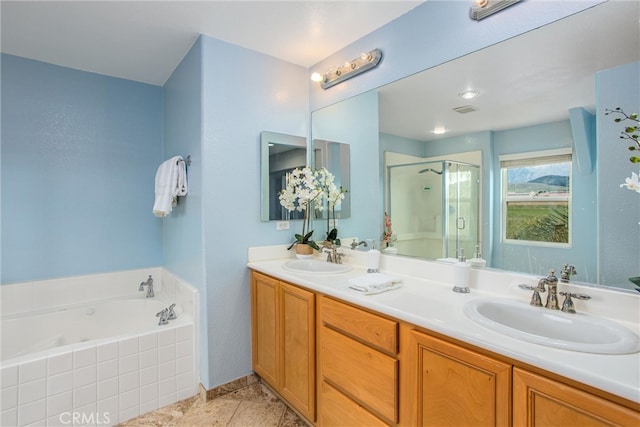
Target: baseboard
{"x": 221, "y": 390}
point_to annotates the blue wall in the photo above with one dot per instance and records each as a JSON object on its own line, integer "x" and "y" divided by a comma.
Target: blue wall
{"x": 182, "y": 231}
{"x": 79, "y": 152}
{"x": 264, "y": 93}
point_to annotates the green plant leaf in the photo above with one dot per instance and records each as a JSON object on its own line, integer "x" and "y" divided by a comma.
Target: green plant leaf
{"x": 333, "y": 235}
{"x": 635, "y": 159}
{"x": 307, "y": 236}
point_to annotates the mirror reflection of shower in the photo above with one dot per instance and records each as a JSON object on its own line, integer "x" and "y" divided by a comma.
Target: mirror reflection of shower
{"x": 435, "y": 207}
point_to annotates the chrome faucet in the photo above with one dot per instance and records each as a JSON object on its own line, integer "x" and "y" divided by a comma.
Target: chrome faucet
{"x": 552, "y": 286}
{"x": 551, "y": 281}
{"x": 355, "y": 244}
{"x": 332, "y": 253}
{"x": 164, "y": 317}
{"x": 149, "y": 285}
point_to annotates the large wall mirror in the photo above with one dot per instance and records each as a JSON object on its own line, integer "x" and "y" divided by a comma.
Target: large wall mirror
{"x": 536, "y": 93}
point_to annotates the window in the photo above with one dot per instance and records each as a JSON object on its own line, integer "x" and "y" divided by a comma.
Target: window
{"x": 536, "y": 198}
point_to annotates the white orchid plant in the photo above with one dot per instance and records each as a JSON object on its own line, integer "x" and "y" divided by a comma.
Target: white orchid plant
{"x": 630, "y": 134}
{"x": 307, "y": 190}
{"x": 299, "y": 195}
{"x": 332, "y": 198}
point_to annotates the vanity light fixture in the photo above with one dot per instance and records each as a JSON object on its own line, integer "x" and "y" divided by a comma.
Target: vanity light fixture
{"x": 482, "y": 8}
{"x": 364, "y": 62}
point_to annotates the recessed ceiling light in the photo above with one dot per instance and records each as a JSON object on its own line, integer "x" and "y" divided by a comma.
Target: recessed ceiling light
{"x": 439, "y": 130}
{"x": 468, "y": 94}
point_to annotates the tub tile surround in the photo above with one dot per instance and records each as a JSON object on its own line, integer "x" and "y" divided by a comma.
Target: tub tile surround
{"x": 426, "y": 299}
{"x": 106, "y": 381}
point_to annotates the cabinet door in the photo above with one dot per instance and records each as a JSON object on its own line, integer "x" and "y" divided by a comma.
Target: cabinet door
{"x": 455, "y": 386}
{"x": 297, "y": 317}
{"x": 264, "y": 336}
{"x": 539, "y": 401}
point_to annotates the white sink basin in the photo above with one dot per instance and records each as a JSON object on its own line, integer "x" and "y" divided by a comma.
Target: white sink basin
{"x": 309, "y": 266}
{"x": 577, "y": 332}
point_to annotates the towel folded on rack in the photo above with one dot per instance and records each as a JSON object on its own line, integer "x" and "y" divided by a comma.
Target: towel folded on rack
{"x": 374, "y": 283}
{"x": 171, "y": 182}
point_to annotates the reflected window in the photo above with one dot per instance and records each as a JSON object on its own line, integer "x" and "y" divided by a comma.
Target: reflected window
{"x": 536, "y": 198}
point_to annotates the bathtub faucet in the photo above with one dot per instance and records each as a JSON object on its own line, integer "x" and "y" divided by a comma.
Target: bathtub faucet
{"x": 164, "y": 316}
{"x": 149, "y": 285}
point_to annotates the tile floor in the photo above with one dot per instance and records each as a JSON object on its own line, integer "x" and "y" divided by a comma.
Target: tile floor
{"x": 253, "y": 405}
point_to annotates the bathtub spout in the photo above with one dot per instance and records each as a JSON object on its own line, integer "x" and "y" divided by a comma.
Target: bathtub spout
{"x": 149, "y": 285}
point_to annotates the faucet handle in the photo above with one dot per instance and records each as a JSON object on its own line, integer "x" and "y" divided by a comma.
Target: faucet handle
{"x": 567, "y": 271}
{"x": 536, "y": 301}
{"x": 172, "y": 313}
{"x": 567, "y": 305}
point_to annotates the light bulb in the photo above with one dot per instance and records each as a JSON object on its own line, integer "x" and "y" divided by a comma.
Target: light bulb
{"x": 316, "y": 77}
{"x": 439, "y": 130}
{"x": 479, "y": 3}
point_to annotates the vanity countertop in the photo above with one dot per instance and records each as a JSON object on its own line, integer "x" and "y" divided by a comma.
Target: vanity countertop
{"x": 426, "y": 300}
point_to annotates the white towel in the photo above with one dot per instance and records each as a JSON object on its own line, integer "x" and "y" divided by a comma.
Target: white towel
{"x": 374, "y": 283}
{"x": 171, "y": 182}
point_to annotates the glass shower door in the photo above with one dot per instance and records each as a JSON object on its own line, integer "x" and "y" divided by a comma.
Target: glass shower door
{"x": 462, "y": 205}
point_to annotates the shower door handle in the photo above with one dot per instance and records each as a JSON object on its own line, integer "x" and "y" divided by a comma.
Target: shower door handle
{"x": 460, "y": 221}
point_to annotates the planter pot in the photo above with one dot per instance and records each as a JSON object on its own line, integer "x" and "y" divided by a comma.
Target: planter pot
{"x": 304, "y": 251}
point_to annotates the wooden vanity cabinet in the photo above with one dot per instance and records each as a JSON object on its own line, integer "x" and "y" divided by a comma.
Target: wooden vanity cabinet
{"x": 540, "y": 401}
{"x": 448, "y": 385}
{"x": 283, "y": 340}
{"x": 358, "y": 366}
{"x": 374, "y": 370}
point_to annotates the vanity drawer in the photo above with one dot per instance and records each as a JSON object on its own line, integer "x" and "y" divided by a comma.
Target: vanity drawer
{"x": 339, "y": 410}
{"x": 367, "y": 376}
{"x": 370, "y": 328}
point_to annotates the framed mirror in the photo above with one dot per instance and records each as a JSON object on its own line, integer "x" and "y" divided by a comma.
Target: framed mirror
{"x": 279, "y": 155}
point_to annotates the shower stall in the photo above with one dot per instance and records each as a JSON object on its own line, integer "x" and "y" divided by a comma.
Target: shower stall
{"x": 435, "y": 208}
